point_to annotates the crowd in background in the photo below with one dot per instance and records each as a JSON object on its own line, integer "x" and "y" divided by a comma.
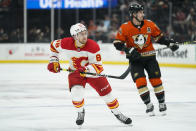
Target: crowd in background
{"x": 176, "y": 18}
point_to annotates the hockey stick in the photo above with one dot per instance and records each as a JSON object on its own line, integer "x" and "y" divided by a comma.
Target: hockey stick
{"x": 123, "y": 76}
{"x": 153, "y": 52}
{"x": 186, "y": 42}
{"x": 160, "y": 49}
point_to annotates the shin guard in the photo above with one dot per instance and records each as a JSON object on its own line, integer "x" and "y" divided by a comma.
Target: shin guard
{"x": 143, "y": 90}
{"x": 158, "y": 89}
{"x": 77, "y": 93}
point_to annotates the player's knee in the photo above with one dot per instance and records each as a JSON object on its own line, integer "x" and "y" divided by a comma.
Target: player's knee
{"x": 104, "y": 90}
{"x": 141, "y": 82}
{"x": 77, "y": 92}
{"x": 108, "y": 98}
{"x": 155, "y": 82}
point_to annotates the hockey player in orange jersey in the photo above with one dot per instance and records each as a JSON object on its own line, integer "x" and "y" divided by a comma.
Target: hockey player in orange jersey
{"x": 135, "y": 38}
{"x": 84, "y": 55}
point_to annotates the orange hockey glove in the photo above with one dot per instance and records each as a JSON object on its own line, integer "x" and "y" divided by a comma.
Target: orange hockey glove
{"x": 54, "y": 65}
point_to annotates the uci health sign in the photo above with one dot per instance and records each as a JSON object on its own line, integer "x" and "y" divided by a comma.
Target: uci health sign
{"x": 70, "y": 4}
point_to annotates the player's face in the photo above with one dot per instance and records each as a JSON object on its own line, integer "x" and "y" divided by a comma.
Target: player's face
{"x": 82, "y": 37}
{"x": 140, "y": 15}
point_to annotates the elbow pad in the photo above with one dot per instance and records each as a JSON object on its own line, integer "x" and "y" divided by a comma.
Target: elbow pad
{"x": 119, "y": 45}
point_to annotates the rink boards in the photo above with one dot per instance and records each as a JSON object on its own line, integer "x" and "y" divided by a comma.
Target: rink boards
{"x": 185, "y": 56}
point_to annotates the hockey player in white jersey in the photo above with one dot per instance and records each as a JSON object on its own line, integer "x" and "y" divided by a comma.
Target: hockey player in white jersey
{"x": 84, "y": 56}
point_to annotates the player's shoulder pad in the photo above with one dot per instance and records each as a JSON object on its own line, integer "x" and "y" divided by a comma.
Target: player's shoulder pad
{"x": 56, "y": 41}
{"x": 149, "y": 21}
{"x": 91, "y": 46}
{"x": 67, "y": 42}
{"x": 67, "y": 39}
{"x": 124, "y": 25}
{"x": 55, "y": 44}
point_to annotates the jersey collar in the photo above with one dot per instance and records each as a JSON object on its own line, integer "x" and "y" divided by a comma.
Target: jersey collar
{"x": 137, "y": 26}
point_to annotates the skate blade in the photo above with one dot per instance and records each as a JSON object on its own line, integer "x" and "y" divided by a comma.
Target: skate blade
{"x": 129, "y": 125}
{"x": 163, "y": 113}
{"x": 151, "y": 114}
{"x": 79, "y": 126}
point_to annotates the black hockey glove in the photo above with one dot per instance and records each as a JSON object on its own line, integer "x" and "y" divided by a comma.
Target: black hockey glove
{"x": 172, "y": 45}
{"x": 132, "y": 54}
{"x": 169, "y": 43}
{"x": 119, "y": 45}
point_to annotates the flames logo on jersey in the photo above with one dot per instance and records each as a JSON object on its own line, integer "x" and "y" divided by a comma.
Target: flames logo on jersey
{"x": 79, "y": 61}
{"x": 140, "y": 40}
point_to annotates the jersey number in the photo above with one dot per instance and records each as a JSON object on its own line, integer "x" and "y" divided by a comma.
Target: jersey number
{"x": 57, "y": 44}
{"x": 98, "y": 57}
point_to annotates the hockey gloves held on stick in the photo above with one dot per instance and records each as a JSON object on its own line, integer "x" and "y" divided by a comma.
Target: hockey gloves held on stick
{"x": 81, "y": 71}
{"x": 54, "y": 65}
{"x": 132, "y": 54}
{"x": 169, "y": 43}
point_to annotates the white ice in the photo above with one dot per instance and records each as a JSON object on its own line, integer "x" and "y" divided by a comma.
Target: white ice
{"x": 33, "y": 99}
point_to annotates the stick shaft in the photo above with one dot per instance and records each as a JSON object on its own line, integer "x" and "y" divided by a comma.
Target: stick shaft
{"x": 123, "y": 76}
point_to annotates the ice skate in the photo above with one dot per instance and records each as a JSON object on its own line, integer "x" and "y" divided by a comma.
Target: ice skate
{"x": 150, "y": 109}
{"x": 122, "y": 118}
{"x": 162, "y": 108}
{"x": 80, "y": 118}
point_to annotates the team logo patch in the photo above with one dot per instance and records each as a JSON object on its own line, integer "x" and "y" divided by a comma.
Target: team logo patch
{"x": 79, "y": 61}
{"x": 157, "y": 73}
{"x": 148, "y": 30}
{"x": 136, "y": 74}
{"x": 140, "y": 40}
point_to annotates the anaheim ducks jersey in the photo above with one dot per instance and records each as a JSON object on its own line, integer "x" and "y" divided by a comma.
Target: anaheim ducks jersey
{"x": 140, "y": 38}
{"x": 88, "y": 55}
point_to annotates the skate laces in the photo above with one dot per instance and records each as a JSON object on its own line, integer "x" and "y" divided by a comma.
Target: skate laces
{"x": 149, "y": 106}
{"x": 162, "y": 105}
{"x": 80, "y": 115}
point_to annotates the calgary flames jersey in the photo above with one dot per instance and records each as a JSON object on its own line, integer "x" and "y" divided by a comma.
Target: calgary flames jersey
{"x": 140, "y": 38}
{"x": 89, "y": 55}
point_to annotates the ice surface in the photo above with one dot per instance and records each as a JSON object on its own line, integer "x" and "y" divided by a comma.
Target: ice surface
{"x": 33, "y": 99}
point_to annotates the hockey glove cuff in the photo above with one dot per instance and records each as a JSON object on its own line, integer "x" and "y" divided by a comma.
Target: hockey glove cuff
{"x": 169, "y": 43}
{"x": 54, "y": 65}
{"x": 132, "y": 54}
{"x": 173, "y": 46}
{"x": 119, "y": 45}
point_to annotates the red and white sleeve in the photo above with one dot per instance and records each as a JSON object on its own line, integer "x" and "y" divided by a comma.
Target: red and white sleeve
{"x": 55, "y": 49}
{"x": 95, "y": 63}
